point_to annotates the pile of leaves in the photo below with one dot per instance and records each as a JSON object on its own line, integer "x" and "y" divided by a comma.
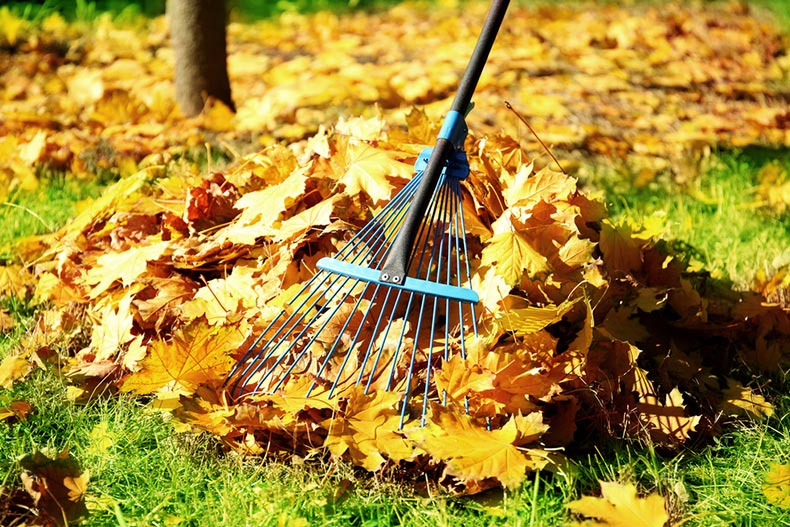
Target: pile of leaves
{"x": 584, "y": 324}
{"x": 586, "y": 327}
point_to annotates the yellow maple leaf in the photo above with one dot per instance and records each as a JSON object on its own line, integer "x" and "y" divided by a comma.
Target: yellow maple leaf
{"x": 473, "y": 453}
{"x": 511, "y": 254}
{"x": 312, "y": 218}
{"x": 222, "y": 298}
{"x": 621, "y": 507}
{"x": 531, "y": 319}
{"x": 367, "y": 429}
{"x": 457, "y": 378}
{"x": 261, "y": 209}
{"x": 14, "y": 368}
{"x": 545, "y": 185}
{"x": 666, "y": 421}
{"x": 14, "y": 280}
{"x": 197, "y": 354}
{"x": 123, "y": 266}
{"x": 369, "y": 169}
{"x": 777, "y": 486}
{"x": 114, "y": 329}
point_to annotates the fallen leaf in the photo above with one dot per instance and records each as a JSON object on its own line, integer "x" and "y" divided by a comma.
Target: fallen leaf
{"x": 17, "y": 410}
{"x": 474, "y": 453}
{"x": 740, "y": 400}
{"x": 776, "y": 487}
{"x": 57, "y": 486}
{"x": 621, "y": 507}
{"x": 197, "y": 354}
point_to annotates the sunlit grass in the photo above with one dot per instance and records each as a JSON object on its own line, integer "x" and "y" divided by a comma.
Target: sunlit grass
{"x": 717, "y": 216}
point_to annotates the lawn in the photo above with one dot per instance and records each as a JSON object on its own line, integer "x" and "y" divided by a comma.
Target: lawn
{"x": 711, "y": 193}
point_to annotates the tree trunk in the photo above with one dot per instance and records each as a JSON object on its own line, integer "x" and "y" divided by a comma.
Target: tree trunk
{"x": 197, "y": 32}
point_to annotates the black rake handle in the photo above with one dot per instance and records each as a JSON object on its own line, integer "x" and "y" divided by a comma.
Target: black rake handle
{"x": 395, "y": 266}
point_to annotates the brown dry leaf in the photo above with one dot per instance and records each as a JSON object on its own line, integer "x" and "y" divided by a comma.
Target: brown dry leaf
{"x": 57, "y": 486}
{"x": 665, "y": 421}
{"x": 17, "y": 410}
{"x": 776, "y": 487}
{"x": 621, "y": 507}
{"x": 473, "y": 453}
{"x": 197, "y": 354}
{"x": 621, "y": 251}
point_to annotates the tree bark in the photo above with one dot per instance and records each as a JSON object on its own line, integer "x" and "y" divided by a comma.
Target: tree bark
{"x": 197, "y": 33}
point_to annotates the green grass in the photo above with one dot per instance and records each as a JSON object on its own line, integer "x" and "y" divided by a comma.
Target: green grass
{"x": 32, "y": 212}
{"x": 716, "y": 216}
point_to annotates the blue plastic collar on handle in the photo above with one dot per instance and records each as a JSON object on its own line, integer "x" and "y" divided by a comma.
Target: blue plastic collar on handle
{"x": 454, "y": 128}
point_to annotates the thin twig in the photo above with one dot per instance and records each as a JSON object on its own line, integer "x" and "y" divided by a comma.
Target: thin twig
{"x": 31, "y": 212}
{"x": 546, "y": 148}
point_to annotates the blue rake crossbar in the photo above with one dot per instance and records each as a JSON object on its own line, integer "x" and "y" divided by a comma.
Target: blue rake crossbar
{"x": 415, "y": 285}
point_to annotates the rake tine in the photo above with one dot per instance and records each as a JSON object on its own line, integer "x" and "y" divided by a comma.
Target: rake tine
{"x": 307, "y": 346}
{"x": 293, "y": 326}
{"x": 407, "y": 391}
{"x": 335, "y": 345}
{"x": 383, "y": 339}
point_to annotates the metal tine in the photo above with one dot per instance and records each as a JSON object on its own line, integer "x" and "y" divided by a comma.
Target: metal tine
{"x": 424, "y": 238}
{"x": 402, "y": 211}
{"x": 424, "y": 231}
{"x": 396, "y": 209}
{"x": 440, "y": 234}
{"x": 468, "y": 271}
{"x": 382, "y": 248}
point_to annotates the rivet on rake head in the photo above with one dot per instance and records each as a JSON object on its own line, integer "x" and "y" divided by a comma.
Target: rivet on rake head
{"x": 385, "y": 276}
{"x": 396, "y": 279}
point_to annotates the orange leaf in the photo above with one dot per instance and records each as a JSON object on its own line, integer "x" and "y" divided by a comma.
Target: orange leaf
{"x": 17, "y": 410}
{"x": 457, "y": 378}
{"x": 366, "y": 429}
{"x": 197, "y": 354}
{"x": 474, "y": 453}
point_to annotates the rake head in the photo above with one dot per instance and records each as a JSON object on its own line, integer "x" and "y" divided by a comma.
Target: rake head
{"x": 351, "y": 324}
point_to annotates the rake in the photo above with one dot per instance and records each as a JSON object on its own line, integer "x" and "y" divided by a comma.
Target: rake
{"x": 395, "y": 300}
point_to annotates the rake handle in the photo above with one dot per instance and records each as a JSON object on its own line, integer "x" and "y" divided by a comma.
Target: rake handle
{"x": 396, "y": 264}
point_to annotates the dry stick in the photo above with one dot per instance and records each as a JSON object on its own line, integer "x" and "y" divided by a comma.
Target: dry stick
{"x": 546, "y": 148}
